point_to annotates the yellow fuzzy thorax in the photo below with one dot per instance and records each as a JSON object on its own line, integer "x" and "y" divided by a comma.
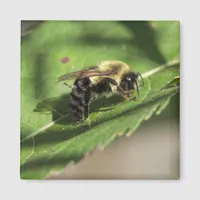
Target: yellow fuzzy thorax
{"x": 121, "y": 68}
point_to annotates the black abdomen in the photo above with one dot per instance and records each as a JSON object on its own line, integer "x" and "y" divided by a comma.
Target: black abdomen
{"x": 80, "y": 98}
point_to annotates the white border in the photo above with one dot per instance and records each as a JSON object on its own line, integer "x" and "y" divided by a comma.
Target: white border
{"x": 187, "y": 12}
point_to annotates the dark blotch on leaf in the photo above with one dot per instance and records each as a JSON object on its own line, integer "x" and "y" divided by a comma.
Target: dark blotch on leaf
{"x": 64, "y": 60}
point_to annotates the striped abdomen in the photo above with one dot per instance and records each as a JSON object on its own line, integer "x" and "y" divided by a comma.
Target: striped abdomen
{"x": 80, "y": 98}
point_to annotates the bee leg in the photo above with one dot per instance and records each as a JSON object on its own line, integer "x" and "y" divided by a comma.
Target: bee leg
{"x": 132, "y": 99}
{"x": 122, "y": 93}
{"x": 87, "y": 98}
{"x": 119, "y": 89}
{"x": 125, "y": 95}
{"x": 86, "y": 111}
{"x": 67, "y": 85}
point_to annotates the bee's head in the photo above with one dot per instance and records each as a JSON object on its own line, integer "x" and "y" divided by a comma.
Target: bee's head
{"x": 129, "y": 82}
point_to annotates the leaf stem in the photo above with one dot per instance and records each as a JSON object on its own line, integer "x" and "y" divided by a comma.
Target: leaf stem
{"x": 44, "y": 127}
{"x": 160, "y": 68}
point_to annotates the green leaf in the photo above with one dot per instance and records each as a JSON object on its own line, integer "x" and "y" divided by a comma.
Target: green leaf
{"x": 49, "y": 138}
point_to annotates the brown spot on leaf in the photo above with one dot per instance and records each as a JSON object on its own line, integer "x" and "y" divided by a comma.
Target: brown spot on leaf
{"x": 64, "y": 60}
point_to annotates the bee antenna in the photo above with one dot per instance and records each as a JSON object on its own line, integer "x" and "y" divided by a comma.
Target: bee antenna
{"x": 138, "y": 94}
{"x": 141, "y": 78}
{"x": 67, "y": 85}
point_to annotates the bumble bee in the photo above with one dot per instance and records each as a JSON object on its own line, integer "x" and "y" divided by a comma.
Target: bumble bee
{"x": 105, "y": 78}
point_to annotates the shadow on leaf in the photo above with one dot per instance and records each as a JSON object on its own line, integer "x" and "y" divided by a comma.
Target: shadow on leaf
{"x": 58, "y": 106}
{"x": 60, "y": 133}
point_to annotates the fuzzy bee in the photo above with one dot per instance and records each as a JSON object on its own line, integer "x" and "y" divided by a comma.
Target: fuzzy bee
{"x": 105, "y": 78}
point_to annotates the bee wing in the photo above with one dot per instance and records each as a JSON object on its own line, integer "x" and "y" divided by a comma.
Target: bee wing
{"x": 86, "y": 73}
{"x": 70, "y": 76}
{"x": 74, "y": 75}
